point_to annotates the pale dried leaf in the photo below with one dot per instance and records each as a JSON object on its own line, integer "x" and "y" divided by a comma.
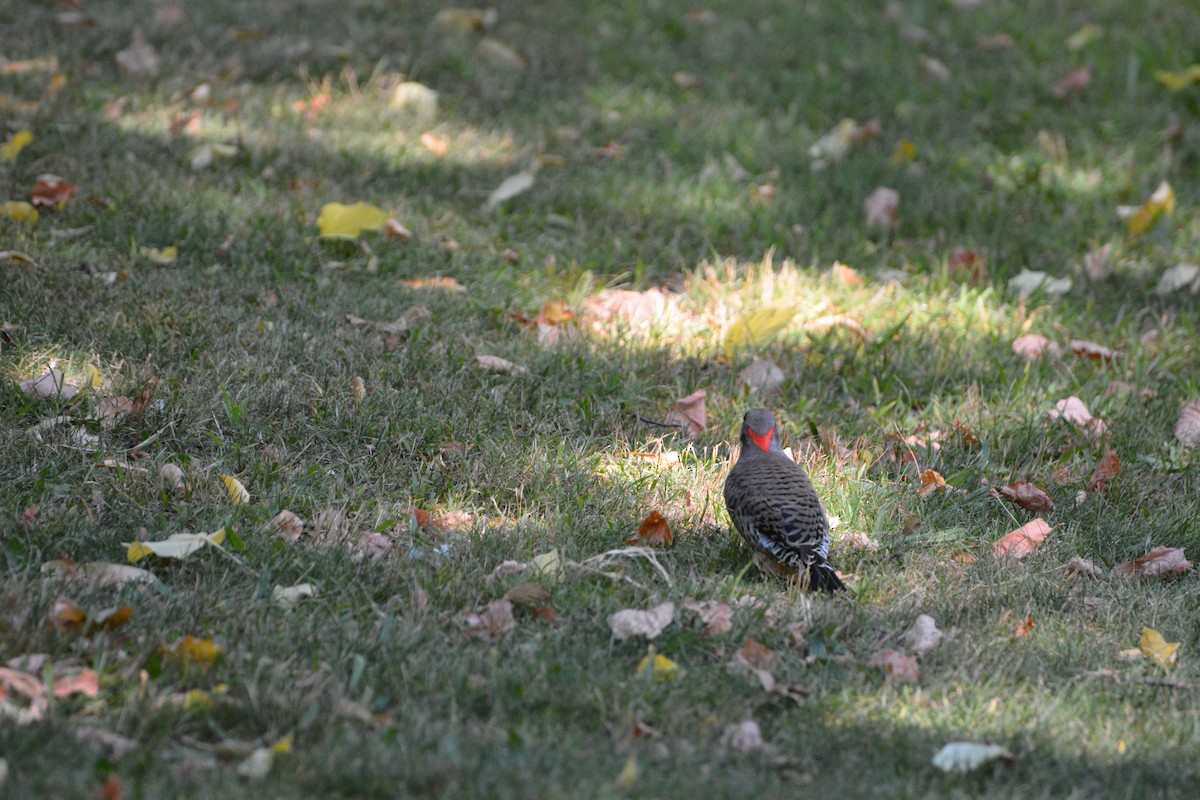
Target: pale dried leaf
{"x": 498, "y": 365}
{"x": 506, "y": 568}
{"x": 1028, "y": 281}
{"x": 139, "y": 59}
{"x": 881, "y": 207}
{"x": 1159, "y": 561}
{"x": 1022, "y": 541}
{"x": 763, "y": 376}
{"x": 1187, "y": 427}
{"x": 745, "y": 737}
{"x": 1073, "y": 410}
{"x": 635, "y": 622}
{"x": 172, "y": 475}
{"x": 509, "y": 188}
{"x": 923, "y": 635}
{"x": 1033, "y": 345}
{"x": 899, "y": 667}
{"x": 857, "y": 540}
{"x": 101, "y": 575}
{"x": 634, "y": 307}
{"x": 1080, "y": 566}
{"x": 50, "y": 383}
{"x": 288, "y": 597}
{"x": 493, "y": 622}
{"x": 1179, "y": 278}
{"x": 1096, "y": 352}
{"x": 715, "y": 616}
{"x": 963, "y": 757}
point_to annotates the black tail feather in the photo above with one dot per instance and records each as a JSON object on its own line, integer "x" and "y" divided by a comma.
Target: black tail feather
{"x": 823, "y": 578}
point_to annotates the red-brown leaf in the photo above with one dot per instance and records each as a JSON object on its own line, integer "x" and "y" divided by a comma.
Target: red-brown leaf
{"x": 1028, "y": 496}
{"x": 654, "y": 531}
{"x": 1159, "y": 561}
{"x": 1108, "y": 468}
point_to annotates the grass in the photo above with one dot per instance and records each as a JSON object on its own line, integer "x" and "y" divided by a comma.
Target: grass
{"x": 644, "y": 180}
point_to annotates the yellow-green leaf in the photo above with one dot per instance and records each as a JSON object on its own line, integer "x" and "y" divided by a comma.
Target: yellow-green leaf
{"x": 658, "y": 666}
{"x": 757, "y": 327}
{"x": 197, "y": 651}
{"x": 160, "y": 255}
{"x": 1160, "y": 203}
{"x": 237, "y": 492}
{"x": 549, "y": 564}
{"x": 10, "y": 149}
{"x": 19, "y": 210}
{"x": 179, "y": 546}
{"x": 284, "y": 745}
{"x": 95, "y": 379}
{"x": 338, "y": 221}
{"x": 1084, "y": 36}
{"x": 1158, "y": 649}
{"x": 1175, "y": 81}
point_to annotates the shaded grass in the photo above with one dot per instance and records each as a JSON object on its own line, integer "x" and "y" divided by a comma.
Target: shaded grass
{"x": 255, "y": 363}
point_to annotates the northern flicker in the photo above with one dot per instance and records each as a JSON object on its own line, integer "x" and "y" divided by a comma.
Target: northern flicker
{"x": 776, "y": 510}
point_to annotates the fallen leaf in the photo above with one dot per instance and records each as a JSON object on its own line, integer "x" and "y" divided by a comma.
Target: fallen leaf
{"x": 1080, "y": 566}
{"x": 1091, "y": 350}
{"x": 160, "y": 255}
{"x": 834, "y": 145}
{"x": 200, "y": 652}
{"x": 19, "y": 210}
{"x": 435, "y": 144}
{"x": 415, "y": 101}
{"x": 635, "y": 622}
{"x": 1179, "y": 278}
{"x": 493, "y": 622}
{"x": 172, "y": 475}
{"x": 1075, "y": 411}
{"x": 66, "y": 616}
{"x": 20, "y": 258}
{"x": 338, "y": 221}
{"x": 257, "y": 765}
{"x": 14, "y": 145}
{"x": 880, "y": 208}
{"x": 288, "y": 597}
{"x": 1074, "y": 82}
{"x": 139, "y": 59}
{"x": 715, "y": 616}
{"x": 1022, "y": 541}
{"x": 1177, "y": 81}
{"x": 176, "y": 546}
{"x": 237, "y": 492}
{"x": 759, "y": 656}
{"x": 1084, "y": 36}
{"x": 109, "y": 619}
{"x": 434, "y": 282}
{"x": 1024, "y": 627}
{"x": 967, "y": 263}
{"x": 931, "y": 481}
{"x": 1187, "y": 427}
{"x": 758, "y": 327}
{"x": 904, "y": 152}
{"x": 898, "y": 666}
{"x": 649, "y": 306}
{"x": 548, "y": 565}
{"x": 102, "y": 575}
{"x": 1098, "y": 263}
{"x": 762, "y": 377}
{"x": 654, "y": 531}
{"x": 1159, "y": 561}
{"x": 745, "y": 737}
{"x": 657, "y": 666}
{"x": 933, "y": 69}
{"x": 963, "y": 757}
{"x": 358, "y": 389}
{"x": 509, "y": 188}
{"x": 1142, "y": 218}
{"x": 924, "y": 635}
{"x": 1108, "y": 468}
{"x": 689, "y": 413}
{"x": 506, "y": 568}
{"x": 51, "y": 383}
{"x": 1158, "y": 649}
{"x": 1029, "y": 281}
{"x": 1028, "y": 496}
{"x": 499, "y": 54}
{"x": 50, "y": 191}
{"x": 529, "y": 593}
{"x": 1033, "y": 346}
{"x": 500, "y": 366}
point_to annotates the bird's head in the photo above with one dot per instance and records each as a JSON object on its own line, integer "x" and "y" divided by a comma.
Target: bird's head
{"x": 758, "y": 431}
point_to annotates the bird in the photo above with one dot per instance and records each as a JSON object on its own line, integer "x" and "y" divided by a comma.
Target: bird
{"x": 775, "y": 508}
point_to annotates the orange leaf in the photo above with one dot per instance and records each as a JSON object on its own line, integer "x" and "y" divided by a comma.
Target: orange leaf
{"x": 1159, "y": 561}
{"x": 898, "y": 666}
{"x": 51, "y": 190}
{"x": 1023, "y": 541}
{"x": 931, "y": 481}
{"x": 83, "y": 682}
{"x": 196, "y": 651}
{"x": 758, "y": 655}
{"x": 66, "y": 616}
{"x": 435, "y": 144}
{"x": 968, "y": 263}
{"x": 655, "y": 531}
{"x": 1108, "y": 468}
{"x": 845, "y": 275}
{"x": 110, "y": 619}
{"x": 1024, "y": 628}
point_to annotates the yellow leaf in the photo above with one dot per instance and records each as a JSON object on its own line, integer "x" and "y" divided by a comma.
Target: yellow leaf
{"x": 160, "y": 255}
{"x": 904, "y": 152}
{"x": 197, "y": 701}
{"x": 197, "y": 651}
{"x": 94, "y": 377}
{"x": 10, "y": 149}
{"x": 549, "y": 564}
{"x": 1175, "y": 81}
{"x": 1160, "y": 203}
{"x": 284, "y": 745}
{"x": 19, "y": 210}
{"x": 657, "y": 665}
{"x": 757, "y": 327}
{"x": 338, "y": 221}
{"x": 237, "y": 492}
{"x": 178, "y": 545}
{"x": 1083, "y": 37}
{"x": 1158, "y": 649}
{"x": 137, "y": 551}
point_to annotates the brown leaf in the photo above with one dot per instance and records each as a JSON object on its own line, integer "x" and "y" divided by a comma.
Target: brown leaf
{"x": 1024, "y": 628}
{"x": 1096, "y": 352}
{"x": 110, "y": 619}
{"x": 654, "y": 531}
{"x": 689, "y": 413}
{"x": 759, "y": 656}
{"x": 1124, "y": 388}
{"x": 51, "y": 190}
{"x": 1108, "y": 468}
{"x": 287, "y": 526}
{"x": 1159, "y": 561}
{"x": 717, "y": 617}
{"x": 85, "y": 681}
{"x": 857, "y": 540}
{"x": 844, "y": 274}
{"x": 1187, "y": 428}
{"x": 493, "y": 622}
{"x": 899, "y": 667}
{"x": 66, "y": 616}
{"x": 435, "y": 282}
{"x": 1033, "y": 345}
{"x": 967, "y": 263}
{"x": 1074, "y": 82}
{"x": 931, "y": 481}
{"x": 1028, "y": 496}
{"x": 395, "y": 229}
{"x": 1022, "y": 541}
{"x": 545, "y": 613}
{"x": 529, "y": 593}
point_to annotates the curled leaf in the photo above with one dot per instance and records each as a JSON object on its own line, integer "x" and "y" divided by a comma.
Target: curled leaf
{"x": 1159, "y": 561}
{"x": 689, "y": 413}
{"x": 237, "y": 492}
{"x": 1158, "y": 649}
{"x": 635, "y": 622}
{"x": 654, "y": 531}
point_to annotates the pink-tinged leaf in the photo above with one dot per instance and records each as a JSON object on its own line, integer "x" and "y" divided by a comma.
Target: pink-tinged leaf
{"x": 1096, "y": 352}
{"x": 83, "y": 682}
{"x": 1022, "y": 541}
{"x": 717, "y": 617}
{"x": 1159, "y": 561}
{"x": 689, "y": 413}
{"x": 1074, "y": 82}
{"x": 1073, "y": 410}
{"x": 493, "y": 622}
{"x": 899, "y": 667}
{"x": 1033, "y": 345}
{"x": 881, "y": 208}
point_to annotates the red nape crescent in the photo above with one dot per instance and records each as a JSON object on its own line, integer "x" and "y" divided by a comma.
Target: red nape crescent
{"x": 762, "y": 440}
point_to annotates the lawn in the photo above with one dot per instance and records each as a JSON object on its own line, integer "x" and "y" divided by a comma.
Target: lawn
{"x": 594, "y": 211}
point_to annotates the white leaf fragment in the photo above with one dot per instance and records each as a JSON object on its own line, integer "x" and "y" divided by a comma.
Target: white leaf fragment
{"x": 963, "y": 757}
{"x": 635, "y": 622}
{"x": 923, "y": 635}
{"x": 1029, "y": 281}
{"x": 509, "y": 188}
